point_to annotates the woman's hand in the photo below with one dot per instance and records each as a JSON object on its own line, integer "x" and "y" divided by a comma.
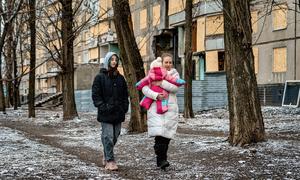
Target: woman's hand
{"x": 160, "y": 96}
{"x": 156, "y": 83}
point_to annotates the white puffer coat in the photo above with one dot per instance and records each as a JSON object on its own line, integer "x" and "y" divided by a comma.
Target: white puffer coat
{"x": 163, "y": 124}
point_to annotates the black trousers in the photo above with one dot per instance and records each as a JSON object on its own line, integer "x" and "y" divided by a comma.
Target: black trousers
{"x": 161, "y": 148}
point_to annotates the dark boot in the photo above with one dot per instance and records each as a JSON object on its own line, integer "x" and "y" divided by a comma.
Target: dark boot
{"x": 161, "y": 149}
{"x": 157, "y": 150}
{"x": 164, "y": 162}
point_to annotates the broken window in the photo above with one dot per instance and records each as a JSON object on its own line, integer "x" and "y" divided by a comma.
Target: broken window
{"x": 221, "y": 60}
{"x": 215, "y": 61}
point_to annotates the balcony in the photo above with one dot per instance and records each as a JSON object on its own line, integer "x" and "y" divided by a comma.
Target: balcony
{"x": 53, "y": 70}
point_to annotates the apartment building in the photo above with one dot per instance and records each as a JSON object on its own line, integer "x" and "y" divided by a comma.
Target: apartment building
{"x": 159, "y": 27}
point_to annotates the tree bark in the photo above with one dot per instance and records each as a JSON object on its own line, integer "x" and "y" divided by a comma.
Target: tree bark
{"x": 246, "y": 121}
{"x": 2, "y": 98}
{"x": 15, "y": 70}
{"x": 31, "y": 93}
{"x": 7, "y": 25}
{"x": 9, "y": 68}
{"x": 132, "y": 62}
{"x": 69, "y": 105}
{"x": 188, "y": 62}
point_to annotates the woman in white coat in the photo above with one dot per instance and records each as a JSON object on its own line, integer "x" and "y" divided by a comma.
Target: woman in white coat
{"x": 163, "y": 126}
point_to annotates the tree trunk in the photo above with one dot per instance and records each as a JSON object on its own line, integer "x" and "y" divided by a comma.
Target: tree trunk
{"x": 9, "y": 68}
{"x": 246, "y": 121}
{"x": 132, "y": 62}
{"x": 188, "y": 62}
{"x": 69, "y": 105}
{"x": 2, "y": 98}
{"x": 15, "y": 71}
{"x": 6, "y": 27}
{"x": 31, "y": 93}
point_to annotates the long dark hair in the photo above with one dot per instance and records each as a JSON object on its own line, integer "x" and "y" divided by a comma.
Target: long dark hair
{"x": 113, "y": 71}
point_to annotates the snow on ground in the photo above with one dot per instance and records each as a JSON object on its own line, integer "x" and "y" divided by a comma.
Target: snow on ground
{"x": 24, "y": 158}
{"x": 194, "y": 154}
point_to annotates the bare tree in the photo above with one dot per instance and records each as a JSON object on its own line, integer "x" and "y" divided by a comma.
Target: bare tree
{"x": 131, "y": 61}
{"x": 188, "y": 62}
{"x": 8, "y": 13}
{"x": 31, "y": 94}
{"x": 67, "y": 56}
{"x": 63, "y": 18}
{"x": 20, "y": 34}
{"x": 9, "y": 65}
{"x": 246, "y": 121}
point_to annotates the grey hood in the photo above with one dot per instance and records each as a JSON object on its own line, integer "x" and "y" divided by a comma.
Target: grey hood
{"x": 107, "y": 59}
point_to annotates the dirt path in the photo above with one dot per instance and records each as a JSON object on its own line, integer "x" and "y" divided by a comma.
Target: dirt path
{"x": 195, "y": 154}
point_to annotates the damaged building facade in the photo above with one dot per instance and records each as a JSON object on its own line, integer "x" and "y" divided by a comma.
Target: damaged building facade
{"x": 159, "y": 27}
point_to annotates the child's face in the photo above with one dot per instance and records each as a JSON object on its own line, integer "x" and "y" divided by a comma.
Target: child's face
{"x": 167, "y": 63}
{"x": 113, "y": 61}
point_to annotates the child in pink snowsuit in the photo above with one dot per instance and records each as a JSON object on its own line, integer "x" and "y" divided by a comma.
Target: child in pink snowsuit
{"x": 157, "y": 73}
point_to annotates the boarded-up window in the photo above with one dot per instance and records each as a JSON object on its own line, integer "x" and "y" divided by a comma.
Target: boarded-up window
{"x": 156, "y": 15}
{"x": 255, "y": 54}
{"x": 133, "y": 21}
{"x": 212, "y": 61}
{"x": 279, "y": 59}
{"x": 103, "y": 9}
{"x": 279, "y": 17}
{"x": 109, "y": 3}
{"x": 131, "y": 2}
{"x": 104, "y": 5}
{"x": 176, "y": 6}
{"x": 214, "y": 25}
{"x": 94, "y": 30}
{"x": 200, "y": 34}
{"x": 93, "y": 53}
{"x": 143, "y": 19}
{"x": 103, "y": 27}
{"x": 142, "y": 43}
{"x": 254, "y": 21}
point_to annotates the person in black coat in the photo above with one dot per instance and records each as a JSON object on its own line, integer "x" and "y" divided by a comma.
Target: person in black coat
{"x": 110, "y": 96}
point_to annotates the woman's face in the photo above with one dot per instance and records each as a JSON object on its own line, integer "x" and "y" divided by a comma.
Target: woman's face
{"x": 167, "y": 63}
{"x": 113, "y": 61}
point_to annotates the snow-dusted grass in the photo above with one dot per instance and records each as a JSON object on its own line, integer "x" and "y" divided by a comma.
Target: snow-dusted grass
{"x": 193, "y": 154}
{"x": 24, "y": 158}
